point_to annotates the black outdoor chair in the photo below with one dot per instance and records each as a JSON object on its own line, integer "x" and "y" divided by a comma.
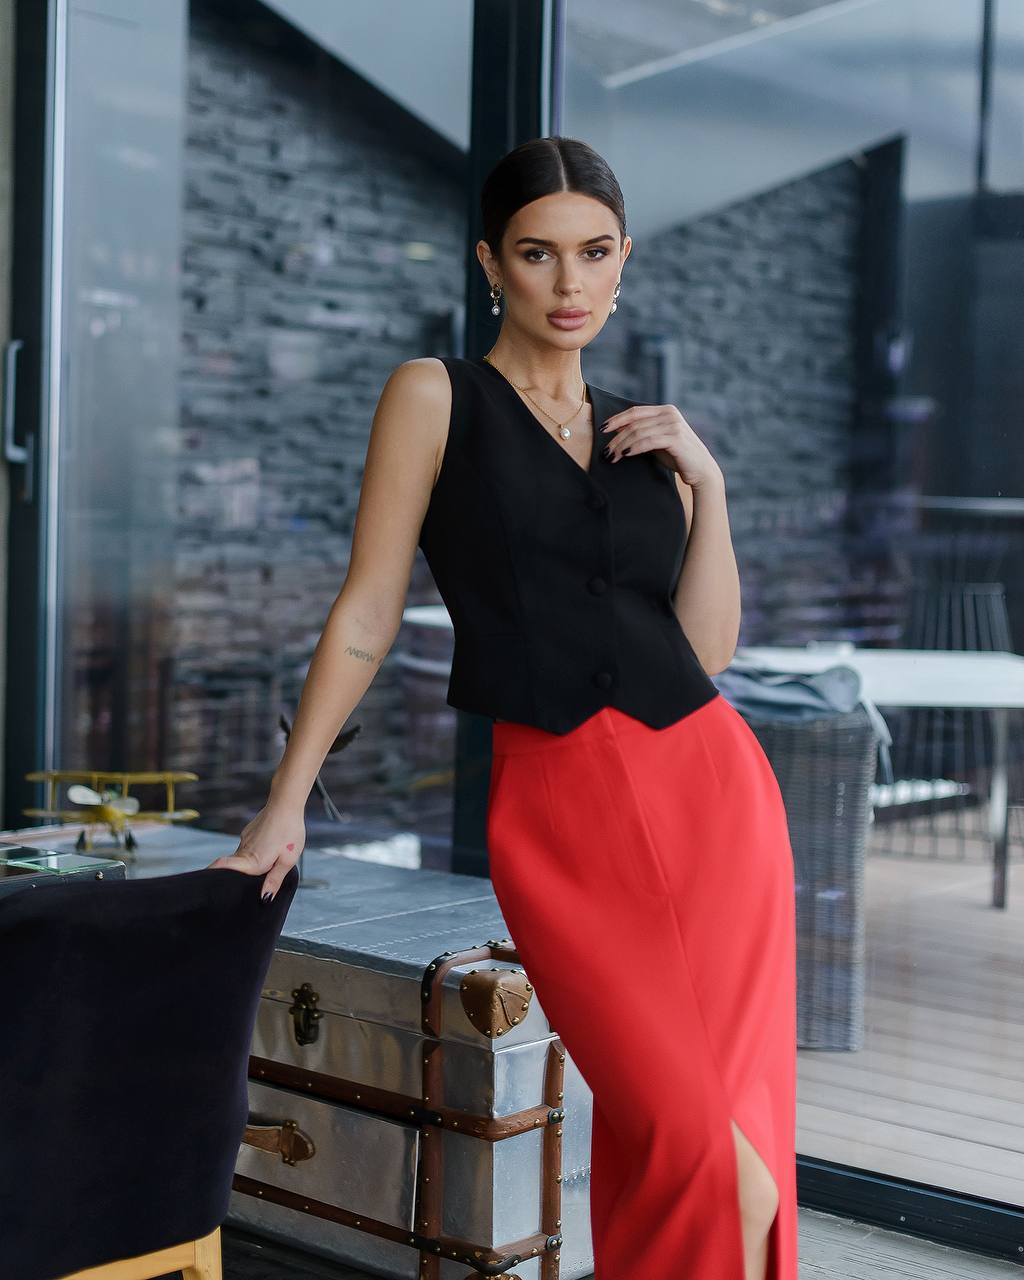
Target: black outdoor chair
{"x": 129, "y": 1010}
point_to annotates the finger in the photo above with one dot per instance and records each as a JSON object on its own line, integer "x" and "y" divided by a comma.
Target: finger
{"x": 245, "y": 862}
{"x": 272, "y": 881}
{"x": 629, "y": 435}
{"x": 224, "y": 861}
{"x": 642, "y": 439}
{"x": 635, "y": 413}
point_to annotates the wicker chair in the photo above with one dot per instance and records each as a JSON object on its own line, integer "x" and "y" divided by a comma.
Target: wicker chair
{"x": 825, "y": 768}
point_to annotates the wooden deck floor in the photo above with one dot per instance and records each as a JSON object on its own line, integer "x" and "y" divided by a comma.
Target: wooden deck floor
{"x": 937, "y": 1092}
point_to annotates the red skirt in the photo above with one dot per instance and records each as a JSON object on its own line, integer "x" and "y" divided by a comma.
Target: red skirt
{"x": 646, "y": 878}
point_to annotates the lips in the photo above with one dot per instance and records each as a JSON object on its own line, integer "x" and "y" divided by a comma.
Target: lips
{"x": 568, "y": 313}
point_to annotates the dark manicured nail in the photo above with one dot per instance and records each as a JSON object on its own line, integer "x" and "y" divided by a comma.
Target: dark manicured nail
{"x": 626, "y": 450}
{"x": 607, "y": 451}
{"x": 267, "y": 897}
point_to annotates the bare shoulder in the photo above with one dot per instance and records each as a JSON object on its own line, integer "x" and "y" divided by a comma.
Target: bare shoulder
{"x": 685, "y": 496}
{"x": 423, "y": 378}
{"x": 417, "y": 399}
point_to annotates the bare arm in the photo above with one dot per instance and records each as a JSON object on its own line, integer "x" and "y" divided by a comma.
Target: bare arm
{"x": 707, "y": 595}
{"x": 407, "y": 439}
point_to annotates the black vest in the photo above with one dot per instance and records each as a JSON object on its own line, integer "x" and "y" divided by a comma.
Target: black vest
{"x": 558, "y": 581}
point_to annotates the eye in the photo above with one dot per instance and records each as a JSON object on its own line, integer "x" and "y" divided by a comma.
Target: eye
{"x": 601, "y": 253}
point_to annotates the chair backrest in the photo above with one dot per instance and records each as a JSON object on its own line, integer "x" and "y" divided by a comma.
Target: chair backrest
{"x": 128, "y": 1013}
{"x": 958, "y": 615}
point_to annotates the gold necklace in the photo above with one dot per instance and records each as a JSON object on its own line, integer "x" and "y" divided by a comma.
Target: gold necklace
{"x": 563, "y": 429}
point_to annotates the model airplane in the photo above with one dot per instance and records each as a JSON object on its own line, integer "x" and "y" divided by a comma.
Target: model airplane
{"x": 103, "y": 797}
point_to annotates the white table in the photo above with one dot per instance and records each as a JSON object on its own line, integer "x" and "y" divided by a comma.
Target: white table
{"x": 929, "y": 678}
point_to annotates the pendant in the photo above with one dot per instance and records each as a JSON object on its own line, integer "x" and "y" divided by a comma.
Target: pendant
{"x": 565, "y": 433}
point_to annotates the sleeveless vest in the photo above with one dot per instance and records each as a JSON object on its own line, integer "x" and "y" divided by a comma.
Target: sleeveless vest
{"x": 558, "y": 580}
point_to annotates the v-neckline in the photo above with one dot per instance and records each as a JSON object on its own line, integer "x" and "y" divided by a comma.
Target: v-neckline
{"x": 587, "y": 471}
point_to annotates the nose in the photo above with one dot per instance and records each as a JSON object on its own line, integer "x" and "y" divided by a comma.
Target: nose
{"x": 567, "y": 284}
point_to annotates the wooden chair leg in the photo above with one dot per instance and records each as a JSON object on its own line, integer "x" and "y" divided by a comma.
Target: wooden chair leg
{"x": 207, "y": 1264}
{"x": 195, "y": 1259}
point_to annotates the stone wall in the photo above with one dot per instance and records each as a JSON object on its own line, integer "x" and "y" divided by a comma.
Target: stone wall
{"x": 320, "y": 252}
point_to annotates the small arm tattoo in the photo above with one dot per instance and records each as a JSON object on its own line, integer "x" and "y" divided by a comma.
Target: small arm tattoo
{"x": 365, "y": 654}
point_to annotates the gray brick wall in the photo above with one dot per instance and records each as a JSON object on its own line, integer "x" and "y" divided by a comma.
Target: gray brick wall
{"x": 299, "y": 299}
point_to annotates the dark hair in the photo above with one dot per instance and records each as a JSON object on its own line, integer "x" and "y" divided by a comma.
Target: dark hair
{"x": 541, "y": 167}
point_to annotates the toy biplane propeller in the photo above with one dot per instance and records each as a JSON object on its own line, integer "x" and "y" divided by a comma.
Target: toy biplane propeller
{"x": 78, "y": 793}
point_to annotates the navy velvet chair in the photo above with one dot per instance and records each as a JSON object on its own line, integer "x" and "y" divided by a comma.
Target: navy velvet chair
{"x": 127, "y": 1017}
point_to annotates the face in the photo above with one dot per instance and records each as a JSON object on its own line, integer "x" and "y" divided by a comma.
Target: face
{"x": 559, "y": 253}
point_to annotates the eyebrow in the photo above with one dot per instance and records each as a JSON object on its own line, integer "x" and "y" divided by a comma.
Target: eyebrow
{"x": 553, "y": 244}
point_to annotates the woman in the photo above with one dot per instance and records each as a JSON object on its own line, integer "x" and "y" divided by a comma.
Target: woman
{"x": 637, "y": 836}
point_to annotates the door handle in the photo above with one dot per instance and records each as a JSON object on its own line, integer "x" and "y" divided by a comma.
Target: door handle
{"x": 19, "y": 454}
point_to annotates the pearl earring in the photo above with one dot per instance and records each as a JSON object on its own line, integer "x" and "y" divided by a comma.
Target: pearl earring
{"x": 495, "y": 309}
{"x": 614, "y": 296}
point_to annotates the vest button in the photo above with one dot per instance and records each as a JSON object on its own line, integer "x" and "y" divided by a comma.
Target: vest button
{"x": 603, "y": 679}
{"x": 597, "y": 585}
{"x": 596, "y": 501}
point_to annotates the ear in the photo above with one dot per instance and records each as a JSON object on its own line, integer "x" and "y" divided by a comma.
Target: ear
{"x": 484, "y": 256}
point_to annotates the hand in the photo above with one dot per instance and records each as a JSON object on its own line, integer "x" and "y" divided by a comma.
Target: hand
{"x": 662, "y": 430}
{"x": 270, "y": 843}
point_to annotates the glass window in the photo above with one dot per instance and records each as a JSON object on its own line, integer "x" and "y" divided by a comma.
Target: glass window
{"x": 826, "y": 278}
{"x": 264, "y": 213}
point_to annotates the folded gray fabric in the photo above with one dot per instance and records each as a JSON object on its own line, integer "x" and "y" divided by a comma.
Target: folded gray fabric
{"x": 765, "y": 693}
